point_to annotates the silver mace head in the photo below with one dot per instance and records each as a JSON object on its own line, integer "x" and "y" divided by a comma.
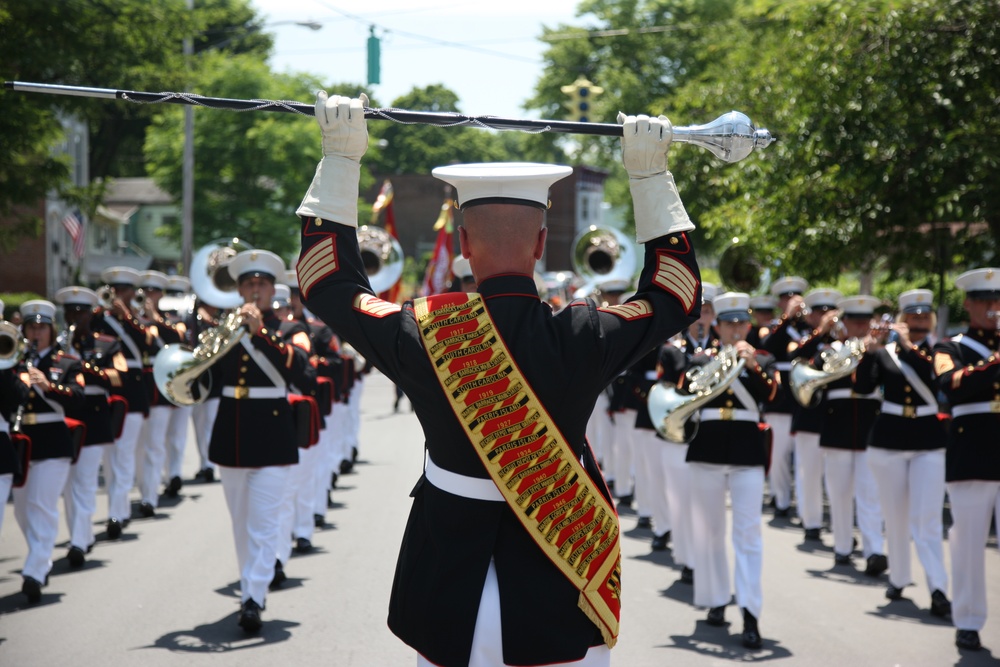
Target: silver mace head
{"x": 730, "y": 137}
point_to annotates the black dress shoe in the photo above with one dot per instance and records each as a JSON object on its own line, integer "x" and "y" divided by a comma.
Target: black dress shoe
{"x": 32, "y": 588}
{"x": 626, "y": 501}
{"x": 346, "y": 467}
{"x": 250, "y": 617}
{"x": 876, "y": 565}
{"x": 279, "y": 576}
{"x": 687, "y": 575}
{"x": 751, "y": 635}
{"x": 114, "y": 529}
{"x": 644, "y": 522}
{"x": 205, "y": 475}
{"x": 146, "y": 510}
{"x": 894, "y": 592}
{"x": 354, "y": 454}
{"x": 940, "y": 606}
{"x": 329, "y": 501}
{"x": 813, "y": 534}
{"x": 319, "y": 520}
{"x": 782, "y": 512}
{"x": 716, "y": 616}
{"x": 76, "y": 557}
{"x": 174, "y": 486}
{"x": 333, "y": 480}
{"x": 842, "y": 559}
{"x": 660, "y": 541}
{"x": 968, "y": 639}
{"x": 303, "y": 545}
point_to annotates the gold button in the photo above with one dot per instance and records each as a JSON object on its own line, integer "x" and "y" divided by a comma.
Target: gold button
{"x": 243, "y": 369}
{"x": 729, "y": 404}
{"x": 961, "y": 429}
{"x": 319, "y": 223}
{"x": 275, "y": 413}
{"x": 909, "y": 399}
{"x": 907, "y": 389}
{"x": 264, "y": 331}
{"x": 246, "y": 357}
{"x": 31, "y": 394}
{"x": 673, "y": 240}
{"x": 243, "y": 380}
{"x": 29, "y": 406}
{"x": 729, "y": 391}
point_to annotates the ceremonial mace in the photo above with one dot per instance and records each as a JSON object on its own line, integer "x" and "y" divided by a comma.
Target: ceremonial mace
{"x": 730, "y": 137}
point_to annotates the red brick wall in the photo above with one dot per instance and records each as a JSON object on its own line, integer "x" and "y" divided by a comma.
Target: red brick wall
{"x": 23, "y": 269}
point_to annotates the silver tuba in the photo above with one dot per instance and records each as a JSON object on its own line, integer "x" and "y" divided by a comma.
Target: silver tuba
{"x": 602, "y": 255}
{"x": 179, "y": 371}
{"x": 674, "y": 413}
{"x": 804, "y": 381}
{"x": 382, "y": 257}
{"x": 13, "y": 346}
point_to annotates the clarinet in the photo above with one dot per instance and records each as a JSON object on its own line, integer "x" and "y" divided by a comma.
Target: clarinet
{"x": 29, "y": 362}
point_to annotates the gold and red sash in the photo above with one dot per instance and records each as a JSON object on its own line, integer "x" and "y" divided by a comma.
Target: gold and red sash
{"x": 524, "y": 453}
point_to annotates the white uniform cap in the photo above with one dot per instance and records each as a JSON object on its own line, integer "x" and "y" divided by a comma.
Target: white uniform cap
{"x": 917, "y": 301}
{"x": 292, "y": 279}
{"x": 461, "y": 268}
{"x": 256, "y": 263}
{"x": 980, "y": 283}
{"x": 763, "y": 302}
{"x": 282, "y": 295}
{"x": 863, "y": 305}
{"x": 708, "y": 292}
{"x": 822, "y": 297}
{"x": 178, "y": 284}
{"x": 1, "y": 307}
{"x": 732, "y": 307}
{"x": 38, "y": 310}
{"x": 525, "y": 183}
{"x": 614, "y": 285}
{"x": 120, "y": 275}
{"x": 789, "y": 285}
{"x": 153, "y": 280}
{"x": 76, "y": 296}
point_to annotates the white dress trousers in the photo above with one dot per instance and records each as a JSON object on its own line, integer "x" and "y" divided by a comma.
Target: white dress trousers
{"x": 297, "y": 504}
{"x": 6, "y": 482}
{"x": 972, "y": 503}
{"x": 708, "y": 506}
{"x": 339, "y": 449}
{"x": 673, "y": 506}
{"x": 80, "y": 495}
{"x": 809, "y": 479}
{"x": 153, "y": 444}
{"x": 780, "y": 475}
{"x": 649, "y": 478}
{"x": 623, "y": 447}
{"x": 203, "y": 415}
{"x": 321, "y": 468}
{"x": 254, "y": 497}
{"x": 911, "y": 490}
{"x": 599, "y": 430}
{"x": 36, "y": 509}
{"x": 177, "y": 434}
{"x": 119, "y": 467}
{"x": 354, "y": 410}
{"x": 850, "y": 488}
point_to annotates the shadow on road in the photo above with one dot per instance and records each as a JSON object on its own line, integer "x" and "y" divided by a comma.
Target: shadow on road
{"x": 719, "y": 644}
{"x": 907, "y": 610}
{"x": 224, "y": 636}
{"x": 19, "y": 602}
{"x": 847, "y": 575}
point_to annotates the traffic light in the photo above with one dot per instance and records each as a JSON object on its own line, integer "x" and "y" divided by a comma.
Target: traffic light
{"x": 581, "y": 93}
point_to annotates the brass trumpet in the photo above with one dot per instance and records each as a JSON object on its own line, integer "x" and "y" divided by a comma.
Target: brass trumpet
{"x": 13, "y": 346}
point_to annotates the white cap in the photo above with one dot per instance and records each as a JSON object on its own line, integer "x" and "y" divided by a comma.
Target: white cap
{"x": 789, "y": 285}
{"x": 38, "y": 310}
{"x": 525, "y": 183}
{"x": 292, "y": 279}
{"x": 732, "y": 307}
{"x": 980, "y": 283}
{"x": 863, "y": 305}
{"x": 76, "y": 296}
{"x": 1, "y": 307}
{"x": 461, "y": 268}
{"x": 822, "y": 297}
{"x": 256, "y": 263}
{"x": 178, "y": 284}
{"x": 708, "y": 292}
{"x": 763, "y": 302}
{"x": 120, "y": 275}
{"x": 153, "y": 280}
{"x": 282, "y": 295}
{"x": 917, "y": 301}
{"x": 614, "y": 285}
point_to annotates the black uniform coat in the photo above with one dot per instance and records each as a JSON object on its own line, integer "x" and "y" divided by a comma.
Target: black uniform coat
{"x": 848, "y": 422}
{"x": 966, "y": 376}
{"x": 133, "y": 388}
{"x": 257, "y": 432}
{"x": 778, "y": 343}
{"x": 449, "y": 540}
{"x": 809, "y": 419}
{"x": 897, "y": 431}
{"x": 64, "y": 372}
{"x": 643, "y": 374}
{"x": 13, "y": 393}
{"x": 97, "y": 354}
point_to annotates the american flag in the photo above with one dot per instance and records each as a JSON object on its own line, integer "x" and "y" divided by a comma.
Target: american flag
{"x": 76, "y": 230}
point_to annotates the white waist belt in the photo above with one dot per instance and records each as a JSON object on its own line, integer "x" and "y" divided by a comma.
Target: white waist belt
{"x": 461, "y": 485}
{"x": 729, "y": 415}
{"x": 651, "y": 375}
{"x": 986, "y": 407}
{"x": 133, "y": 363}
{"x": 783, "y": 365}
{"x": 94, "y": 390}
{"x": 834, "y": 394}
{"x": 254, "y": 392}
{"x": 32, "y": 418}
{"x": 4, "y": 425}
{"x": 910, "y": 411}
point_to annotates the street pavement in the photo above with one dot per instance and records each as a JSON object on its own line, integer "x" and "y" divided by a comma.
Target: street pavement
{"x": 167, "y": 593}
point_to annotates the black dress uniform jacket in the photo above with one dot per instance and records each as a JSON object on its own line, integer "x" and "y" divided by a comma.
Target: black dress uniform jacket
{"x": 51, "y": 439}
{"x": 13, "y": 393}
{"x": 643, "y": 374}
{"x": 966, "y": 376}
{"x": 903, "y": 432}
{"x": 777, "y": 343}
{"x": 449, "y": 540}
{"x": 133, "y": 388}
{"x": 257, "y": 432}
{"x": 848, "y": 421}
{"x": 809, "y": 419}
{"x": 97, "y": 354}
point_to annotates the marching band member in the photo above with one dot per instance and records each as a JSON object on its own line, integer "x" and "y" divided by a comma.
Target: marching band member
{"x": 55, "y": 384}
{"x": 649, "y": 480}
{"x": 850, "y": 485}
{"x": 907, "y": 445}
{"x": 180, "y": 415}
{"x": 253, "y": 437}
{"x": 99, "y": 355}
{"x": 730, "y": 450}
{"x": 136, "y": 343}
{"x": 485, "y": 368}
{"x": 968, "y": 370}
{"x": 623, "y": 408}
{"x": 702, "y": 335}
{"x": 762, "y": 309}
{"x": 203, "y": 414}
{"x": 789, "y": 330}
{"x": 13, "y": 393}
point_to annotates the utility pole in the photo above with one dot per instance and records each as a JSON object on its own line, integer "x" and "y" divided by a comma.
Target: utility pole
{"x": 187, "y": 179}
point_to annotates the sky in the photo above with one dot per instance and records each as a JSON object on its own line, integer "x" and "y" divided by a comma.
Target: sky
{"x": 486, "y": 52}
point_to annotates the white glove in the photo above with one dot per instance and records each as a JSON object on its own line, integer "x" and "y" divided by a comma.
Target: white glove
{"x": 658, "y": 207}
{"x": 333, "y": 194}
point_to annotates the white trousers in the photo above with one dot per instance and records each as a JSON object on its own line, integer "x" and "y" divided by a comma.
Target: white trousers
{"x": 708, "y": 506}
{"x": 599, "y": 430}
{"x": 338, "y": 425}
{"x": 177, "y": 434}
{"x": 673, "y": 508}
{"x": 354, "y": 410}
{"x": 623, "y": 448}
{"x": 649, "y": 478}
{"x": 119, "y": 467}
{"x": 911, "y": 490}
{"x": 254, "y": 497}
{"x": 36, "y": 509}
{"x": 80, "y": 495}
{"x": 321, "y": 469}
{"x": 780, "y": 475}
{"x": 203, "y": 415}
{"x": 850, "y": 487}
{"x": 972, "y": 503}
{"x": 297, "y": 504}
{"x": 487, "y": 640}
{"x": 153, "y": 443}
{"x": 6, "y": 482}
{"x": 809, "y": 479}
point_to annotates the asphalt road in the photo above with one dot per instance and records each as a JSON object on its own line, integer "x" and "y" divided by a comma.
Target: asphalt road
{"x": 167, "y": 593}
